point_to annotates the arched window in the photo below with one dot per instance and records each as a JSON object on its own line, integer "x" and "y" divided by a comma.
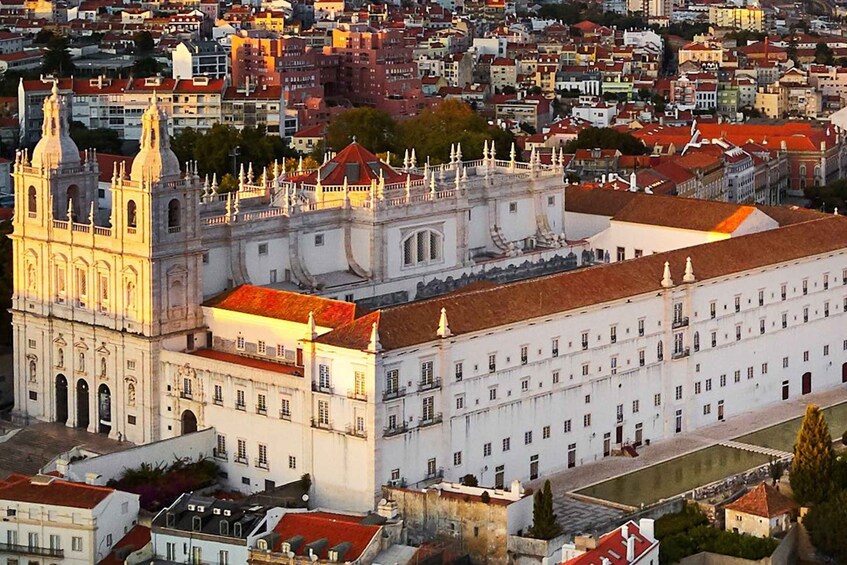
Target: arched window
{"x": 61, "y": 358}
{"x": 422, "y": 247}
{"x": 174, "y": 220}
{"x": 33, "y": 370}
{"x": 81, "y": 367}
{"x": 130, "y": 214}
{"x": 660, "y": 351}
{"x": 803, "y": 171}
{"x": 32, "y": 202}
{"x": 696, "y": 341}
{"x": 73, "y": 201}
{"x": 817, "y": 179}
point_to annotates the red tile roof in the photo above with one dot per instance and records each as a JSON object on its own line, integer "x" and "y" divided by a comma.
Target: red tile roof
{"x": 612, "y": 546}
{"x": 335, "y": 528}
{"x": 290, "y": 306}
{"x": 249, "y": 362}
{"x": 415, "y": 323}
{"x": 358, "y": 165}
{"x": 135, "y": 539}
{"x": 683, "y": 213}
{"x": 764, "y": 501}
{"x": 56, "y": 492}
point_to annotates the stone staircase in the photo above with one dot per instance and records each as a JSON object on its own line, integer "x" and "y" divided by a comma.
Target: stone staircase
{"x": 755, "y": 449}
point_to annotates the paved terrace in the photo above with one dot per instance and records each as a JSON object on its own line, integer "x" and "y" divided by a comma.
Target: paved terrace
{"x": 578, "y": 516}
{"x": 30, "y": 448}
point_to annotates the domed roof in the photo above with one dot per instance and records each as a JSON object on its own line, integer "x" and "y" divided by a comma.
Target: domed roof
{"x": 55, "y": 148}
{"x": 155, "y": 160}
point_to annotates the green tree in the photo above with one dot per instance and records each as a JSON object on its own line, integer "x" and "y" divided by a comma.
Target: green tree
{"x": 5, "y": 283}
{"x": 775, "y": 469}
{"x": 146, "y": 67}
{"x": 374, "y": 129}
{"x": 791, "y": 48}
{"x": 57, "y": 58}
{"x": 606, "y": 138}
{"x": 811, "y": 470}
{"x": 829, "y": 196}
{"x": 103, "y": 140}
{"x": 470, "y": 480}
{"x": 544, "y": 525}
{"x": 143, "y": 41}
{"x": 824, "y": 55}
{"x": 827, "y": 526}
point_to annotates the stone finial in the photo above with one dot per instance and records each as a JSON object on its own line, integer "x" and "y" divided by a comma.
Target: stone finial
{"x": 300, "y": 165}
{"x": 432, "y": 187}
{"x": 512, "y": 153}
{"x": 485, "y": 151}
{"x": 633, "y": 184}
{"x": 667, "y": 281}
{"x": 70, "y": 210}
{"x": 413, "y": 159}
{"x": 91, "y": 214}
{"x": 459, "y": 152}
{"x": 374, "y": 345}
{"x": 311, "y": 332}
{"x": 408, "y": 188}
{"x": 443, "y": 327}
{"x": 452, "y": 152}
{"x": 250, "y": 173}
{"x": 688, "y": 277}
{"x": 406, "y": 160}
{"x": 214, "y": 182}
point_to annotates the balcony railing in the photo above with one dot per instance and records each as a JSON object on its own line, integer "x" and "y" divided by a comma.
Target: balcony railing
{"x": 321, "y": 424}
{"x": 395, "y": 393}
{"x": 352, "y": 430}
{"x": 241, "y": 459}
{"x": 429, "y": 384}
{"x": 31, "y": 550}
{"x": 680, "y": 322}
{"x": 395, "y": 430}
{"x": 356, "y": 395}
{"x": 261, "y": 464}
{"x": 431, "y": 421}
{"x": 680, "y": 353}
{"x": 285, "y": 415}
{"x": 186, "y": 394}
{"x": 220, "y": 454}
{"x": 262, "y": 411}
{"x": 317, "y": 387}
{"x": 218, "y": 401}
{"x": 240, "y": 406}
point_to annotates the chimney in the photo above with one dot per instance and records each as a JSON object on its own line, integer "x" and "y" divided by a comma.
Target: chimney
{"x": 630, "y": 549}
{"x": 625, "y": 531}
{"x": 646, "y": 525}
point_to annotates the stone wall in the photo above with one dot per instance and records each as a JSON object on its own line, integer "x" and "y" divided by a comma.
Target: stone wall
{"x": 531, "y": 551}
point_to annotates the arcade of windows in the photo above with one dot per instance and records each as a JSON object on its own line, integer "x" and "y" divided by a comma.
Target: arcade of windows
{"x": 423, "y": 247}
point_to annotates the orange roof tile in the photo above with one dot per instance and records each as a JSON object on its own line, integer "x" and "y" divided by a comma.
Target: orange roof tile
{"x": 764, "y": 501}
{"x": 334, "y": 528}
{"x": 683, "y": 213}
{"x": 56, "y": 493}
{"x": 290, "y": 306}
{"x": 249, "y": 362}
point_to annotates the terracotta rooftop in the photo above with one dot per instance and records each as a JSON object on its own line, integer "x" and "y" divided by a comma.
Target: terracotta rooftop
{"x": 612, "y": 547}
{"x": 764, "y": 501}
{"x": 334, "y": 528}
{"x": 251, "y": 362}
{"x": 683, "y": 213}
{"x": 358, "y": 165}
{"x": 135, "y": 539}
{"x": 52, "y": 491}
{"x": 290, "y": 306}
{"x": 416, "y": 323}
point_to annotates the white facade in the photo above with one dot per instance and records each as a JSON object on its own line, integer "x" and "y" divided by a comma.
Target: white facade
{"x": 47, "y": 520}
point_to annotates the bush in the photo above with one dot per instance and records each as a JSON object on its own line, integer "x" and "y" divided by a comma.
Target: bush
{"x": 470, "y": 480}
{"x": 827, "y": 525}
{"x": 680, "y": 522}
{"x": 706, "y": 538}
{"x": 485, "y": 497}
{"x": 157, "y": 487}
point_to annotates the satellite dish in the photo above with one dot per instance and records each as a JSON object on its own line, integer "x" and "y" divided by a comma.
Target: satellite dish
{"x": 305, "y": 498}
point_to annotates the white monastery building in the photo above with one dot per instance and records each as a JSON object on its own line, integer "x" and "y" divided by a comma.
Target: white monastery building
{"x": 181, "y": 308}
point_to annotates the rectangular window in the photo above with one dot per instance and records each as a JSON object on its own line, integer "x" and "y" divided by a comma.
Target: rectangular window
{"x": 55, "y": 542}
{"x": 621, "y": 253}
{"x": 76, "y": 543}
{"x": 507, "y": 443}
{"x": 525, "y": 384}
{"x": 457, "y": 458}
{"x": 761, "y": 327}
{"x": 738, "y": 304}
{"x": 239, "y": 400}
{"x": 678, "y": 392}
{"x": 723, "y": 380}
{"x": 323, "y": 376}
{"x": 825, "y": 350}
{"x": 657, "y": 399}
{"x": 783, "y": 291}
{"x": 319, "y": 239}
{"x": 323, "y": 413}
{"x": 784, "y": 320}
{"x": 263, "y": 456}
{"x": 737, "y": 376}
{"x": 292, "y": 462}
{"x": 428, "y": 409}
{"x": 749, "y": 373}
{"x": 239, "y": 342}
{"x": 241, "y": 454}
{"x": 285, "y": 409}
{"x": 492, "y": 362}
{"x": 82, "y": 287}
{"x": 805, "y": 287}
{"x": 641, "y": 357}
{"x": 261, "y": 404}
{"x": 586, "y": 421}
{"x": 712, "y": 310}
{"x": 764, "y": 368}
{"x": 492, "y": 393}
{"x": 524, "y": 354}
{"x": 738, "y": 333}
{"x": 527, "y": 438}
{"x": 826, "y": 309}
{"x": 707, "y": 409}
{"x": 805, "y": 356}
{"x": 392, "y": 381}
{"x": 426, "y": 373}
{"x": 696, "y": 388}
{"x": 805, "y": 314}
{"x": 585, "y": 369}
{"x": 761, "y": 298}
{"x": 458, "y": 371}
{"x": 826, "y": 281}
{"x": 613, "y": 334}
{"x": 567, "y": 427}
{"x": 221, "y": 446}
{"x": 545, "y": 432}
{"x": 555, "y": 377}
{"x": 359, "y": 384}
{"x": 641, "y": 327}
{"x": 486, "y": 450}
{"x": 714, "y": 339}
{"x": 636, "y": 406}
{"x": 263, "y": 249}
{"x": 460, "y": 402}
{"x": 280, "y": 350}
{"x": 585, "y": 340}
{"x": 708, "y": 385}
{"x": 262, "y": 348}
{"x": 555, "y": 348}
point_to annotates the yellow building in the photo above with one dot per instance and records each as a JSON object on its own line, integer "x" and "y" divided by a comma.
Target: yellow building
{"x": 701, "y": 53}
{"x": 750, "y": 18}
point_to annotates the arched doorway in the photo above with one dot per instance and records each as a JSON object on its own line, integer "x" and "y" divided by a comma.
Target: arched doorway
{"x": 104, "y": 409}
{"x": 189, "y": 422}
{"x": 61, "y": 399}
{"x": 807, "y": 383}
{"x": 82, "y": 419}
{"x": 844, "y": 373}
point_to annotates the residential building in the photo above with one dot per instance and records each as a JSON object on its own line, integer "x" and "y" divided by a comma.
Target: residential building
{"x": 763, "y": 512}
{"x": 201, "y": 529}
{"x": 46, "y": 519}
{"x": 750, "y": 18}
{"x": 199, "y": 58}
{"x": 630, "y": 543}
{"x": 263, "y": 59}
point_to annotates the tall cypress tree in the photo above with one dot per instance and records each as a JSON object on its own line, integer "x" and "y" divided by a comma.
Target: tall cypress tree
{"x": 544, "y": 525}
{"x": 811, "y": 470}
